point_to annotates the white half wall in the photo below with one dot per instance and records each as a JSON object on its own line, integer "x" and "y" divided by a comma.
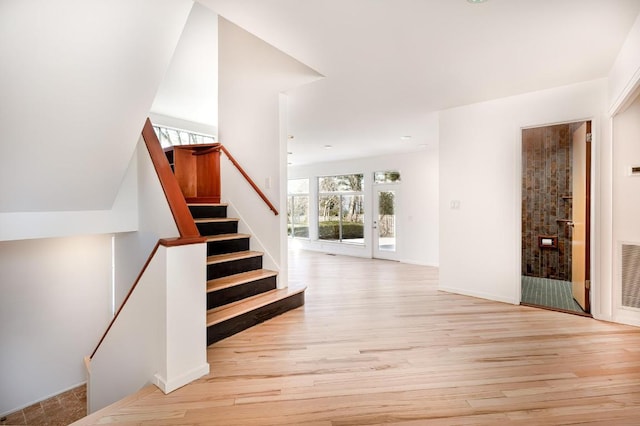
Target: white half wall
{"x": 480, "y": 172}
{"x": 154, "y": 221}
{"x": 417, "y": 210}
{"x": 159, "y": 336}
{"x": 252, "y": 75}
{"x": 54, "y": 306}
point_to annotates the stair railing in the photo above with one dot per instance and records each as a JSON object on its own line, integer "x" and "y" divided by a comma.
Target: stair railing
{"x": 189, "y": 233}
{"x": 181, "y": 214}
{"x": 220, "y": 147}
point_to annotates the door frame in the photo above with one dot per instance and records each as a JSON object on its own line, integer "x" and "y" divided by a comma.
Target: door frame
{"x": 592, "y": 153}
{"x": 375, "y": 252}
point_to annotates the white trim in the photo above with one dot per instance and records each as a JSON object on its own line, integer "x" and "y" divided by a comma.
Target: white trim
{"x": 255, "y": 239}
{"x": 627, "y": 96}
{"x": 417, "y": 262}
{"x": 479, "y": 294}
{"x": 168, "y": 386}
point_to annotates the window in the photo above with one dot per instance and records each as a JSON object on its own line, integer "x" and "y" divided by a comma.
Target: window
{"x": 169, "y": 137}
{"x": 341, "y": 208}
{"x": 298, "y": 208}
{"x": 389, "y": 176}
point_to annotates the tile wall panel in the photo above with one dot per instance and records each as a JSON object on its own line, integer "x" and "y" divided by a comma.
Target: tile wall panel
{"x": 546, "y": 191}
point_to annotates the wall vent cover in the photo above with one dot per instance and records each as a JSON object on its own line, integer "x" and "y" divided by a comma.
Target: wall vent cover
{"x": 631, "y": 275}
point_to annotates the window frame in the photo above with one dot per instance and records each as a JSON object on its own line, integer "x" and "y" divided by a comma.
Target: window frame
{"x": 341, "y": 194}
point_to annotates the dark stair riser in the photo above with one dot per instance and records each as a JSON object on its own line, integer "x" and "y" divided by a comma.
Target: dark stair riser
{"x": 227, "y": 246}
{"x": 217, "y": 228}
{"x": 203, "y": 212}
{"x": 239, "y": 292}
{"x": 235, "y": 325}
{"x": 223, "y": 269}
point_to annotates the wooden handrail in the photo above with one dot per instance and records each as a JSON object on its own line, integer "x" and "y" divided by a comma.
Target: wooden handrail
{"x": 179, "y": 209}
{"x": 189, "y": 233}
{"x": 165, "y": 242}
{"x": 249, "y": 180}
{"x": 124, "y": 302}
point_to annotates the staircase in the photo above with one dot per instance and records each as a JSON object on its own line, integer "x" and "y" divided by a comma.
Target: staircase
{"x": 240, "y": 293}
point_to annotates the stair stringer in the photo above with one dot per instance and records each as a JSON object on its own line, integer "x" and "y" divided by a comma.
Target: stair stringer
{"x": 255, "y": 243}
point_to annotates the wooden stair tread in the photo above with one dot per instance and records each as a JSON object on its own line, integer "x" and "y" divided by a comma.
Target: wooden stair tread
{"x": 208, "y": 204}
{"x": 232, "y": 310}
{"x": 229, "y": 257}
{"x": 215, "y": 219}
{"x": 237, "y": 279}
{"x": 224, "y": 237}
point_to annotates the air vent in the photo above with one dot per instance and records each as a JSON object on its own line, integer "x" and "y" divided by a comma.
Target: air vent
{"x": 631, "y": 276}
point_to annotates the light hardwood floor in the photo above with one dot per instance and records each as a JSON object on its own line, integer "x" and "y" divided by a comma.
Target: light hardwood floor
{"x": 376, "y": 343}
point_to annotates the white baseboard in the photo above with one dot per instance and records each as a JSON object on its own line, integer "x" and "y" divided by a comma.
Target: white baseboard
{"x": 418, "y": 262}
{"x": 174, "y": 383}
{"x": 480, "y": 295}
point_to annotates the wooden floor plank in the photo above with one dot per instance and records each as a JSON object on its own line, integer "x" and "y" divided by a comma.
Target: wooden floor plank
{"x": 377, "y": 343}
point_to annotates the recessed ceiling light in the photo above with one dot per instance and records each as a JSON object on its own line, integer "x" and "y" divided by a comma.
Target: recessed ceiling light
{"x": 405, "y": 138}
{"x": 328, "y": 146}
{"x": 289, "y": 152}
{"x": 289, "y": 163}
{"x": 476, "y": 1}
{"x": 290, "y": 136}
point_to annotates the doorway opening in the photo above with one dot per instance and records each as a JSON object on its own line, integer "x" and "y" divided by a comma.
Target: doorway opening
{"x": 556, "y": 205}
{"x": 384, "y": 222}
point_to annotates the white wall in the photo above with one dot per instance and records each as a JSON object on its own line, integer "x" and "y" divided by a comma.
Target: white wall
{"x": 624, "y": 86}
{"x": 188, "y": 96}
{"x": 77, "y": 82}
{"x": 154, "y": 221}
{"x": 252, "y": 75}
{"x": 480, "y": 166}
{"x": 624, "y": 77}
{"x": 121, "y": 217}
{"x": 417, "y": 211}
{"x": 159, "y": 336}
{"x": 626, "y": 211}
{"x": 54, "y": 306}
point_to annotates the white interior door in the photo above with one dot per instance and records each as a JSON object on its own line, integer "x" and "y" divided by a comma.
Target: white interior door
{"x": 385, "y": 233}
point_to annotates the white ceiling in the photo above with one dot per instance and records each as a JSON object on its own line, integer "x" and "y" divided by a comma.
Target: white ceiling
{"x": 390, "y": 65}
